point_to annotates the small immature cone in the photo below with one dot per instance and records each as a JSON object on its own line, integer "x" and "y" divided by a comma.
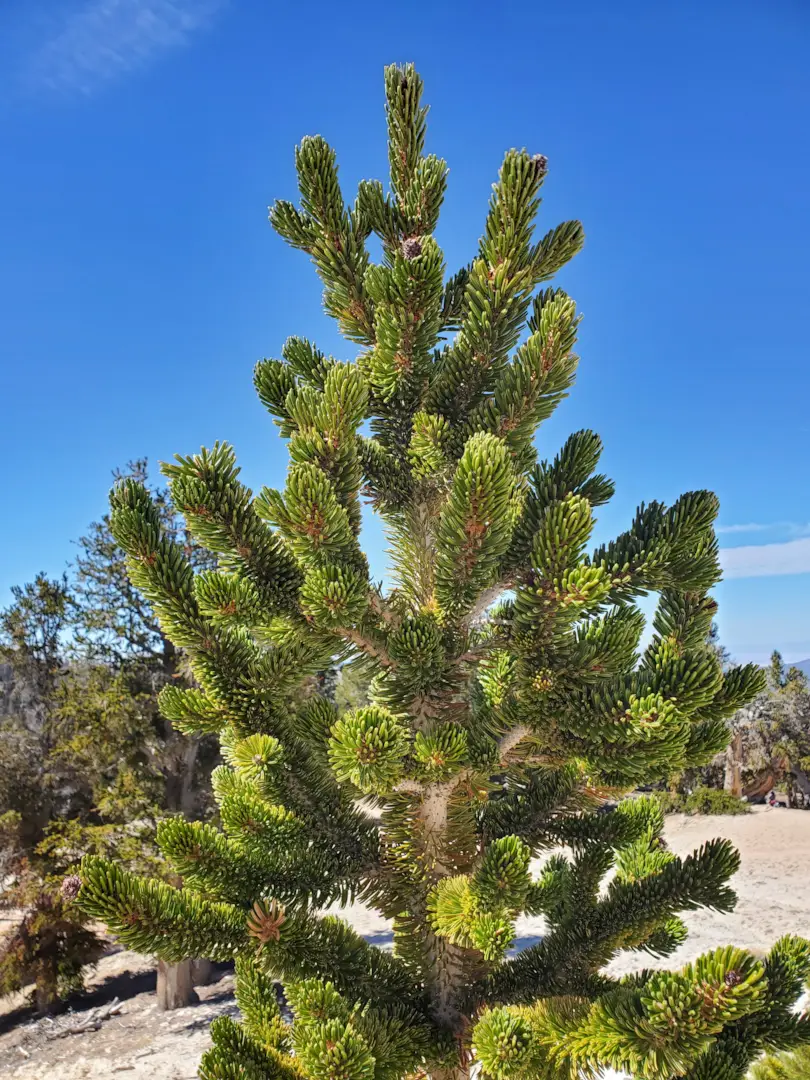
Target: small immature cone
{"x": 71, "y": 887}
{"x": 411, "y": 247}
{"x": 540, "y": 164}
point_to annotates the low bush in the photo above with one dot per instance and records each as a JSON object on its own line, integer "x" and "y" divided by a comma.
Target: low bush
{"x": 50, "y": 947}
{"x": 702, "y": 800}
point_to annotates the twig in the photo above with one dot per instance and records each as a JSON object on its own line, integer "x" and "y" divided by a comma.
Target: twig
{"x": 367, "y": 646}
{"x": 412, "y": 787}
{"x": 381, "y": 609}
{"x": 508, "y": 742}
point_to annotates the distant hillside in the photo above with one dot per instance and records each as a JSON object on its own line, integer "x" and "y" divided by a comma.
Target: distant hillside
{"x": 802, "y": 665}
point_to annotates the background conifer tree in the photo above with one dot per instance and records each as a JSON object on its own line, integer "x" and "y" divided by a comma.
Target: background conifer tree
{"x": 487, "y": 740}
{"x": 87, "y": 763}
{"x": 48, "y": 943}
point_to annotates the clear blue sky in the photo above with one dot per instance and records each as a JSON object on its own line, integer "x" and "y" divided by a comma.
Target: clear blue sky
{"x": 143, "y": 139}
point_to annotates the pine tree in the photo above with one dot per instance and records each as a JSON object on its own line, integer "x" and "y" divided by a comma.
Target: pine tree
{"x": 115, "y": 626}
{"x": 509, "y": 703}
{"x": 48, "y": 943}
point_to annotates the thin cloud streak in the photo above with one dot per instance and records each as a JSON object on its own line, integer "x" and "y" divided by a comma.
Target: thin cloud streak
{"x": 766, "y": 560}
{"x": 104, "y": 39}
{"x": 793, "y": 528}
{"x": 753, "y": 527}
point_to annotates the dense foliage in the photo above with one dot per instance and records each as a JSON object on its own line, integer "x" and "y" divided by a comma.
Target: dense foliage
{"x": 702, "y": 800}
{"x": 49, "y": 944}
{"x": 486, "y": 742}
{"x": 87, "y": 763}
{"x": 786, "y": 1066}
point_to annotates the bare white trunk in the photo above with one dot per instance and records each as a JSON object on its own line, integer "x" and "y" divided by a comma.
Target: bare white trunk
{"x": 487, "y": 597}
{"x": 175, "y": 985}
{"x": 508, "y": 742}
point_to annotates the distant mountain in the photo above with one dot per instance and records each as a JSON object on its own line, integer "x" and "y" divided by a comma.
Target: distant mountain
{"x": 802, "y": 665}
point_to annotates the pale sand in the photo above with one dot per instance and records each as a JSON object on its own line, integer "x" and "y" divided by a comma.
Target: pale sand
{"x": 774, "y": 899}
{"x": 773, "y": 887}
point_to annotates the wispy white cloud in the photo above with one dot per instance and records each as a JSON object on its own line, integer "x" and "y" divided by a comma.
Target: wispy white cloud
{"x": 101, "y": 40}
{"x": 766, "y": 560}
{"x": 792, "y": 528}
{"x": 751, "y": 528}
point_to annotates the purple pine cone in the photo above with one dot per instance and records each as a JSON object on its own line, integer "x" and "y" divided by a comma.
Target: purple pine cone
{"x": 411, "y": 247}
{"x": 71, "y": 887}
{"x": 540, "y": 164}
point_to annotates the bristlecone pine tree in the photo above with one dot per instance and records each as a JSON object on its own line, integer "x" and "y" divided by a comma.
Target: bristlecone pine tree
{"x": 496, "y": 732}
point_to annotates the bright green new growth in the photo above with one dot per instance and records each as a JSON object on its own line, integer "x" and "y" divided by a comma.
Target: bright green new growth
{"x": 786, "y": 1066}
{"x": 495, "y": 733}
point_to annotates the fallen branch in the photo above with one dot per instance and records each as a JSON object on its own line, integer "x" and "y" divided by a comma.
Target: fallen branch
{"x": 91, "y": 1022}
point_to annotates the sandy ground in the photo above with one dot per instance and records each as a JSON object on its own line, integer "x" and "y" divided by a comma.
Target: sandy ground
{"x": 140, "y": 1043}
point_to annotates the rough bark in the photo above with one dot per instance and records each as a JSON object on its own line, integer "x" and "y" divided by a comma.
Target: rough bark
{"x": 187, "y": 790}
{"x": 760, "y": 784}
{"x": 734, "y": 763}
{"x": 449, "y": 965}
{"x": 201, "y": 972}
{"x": 45, "y": 994}
{"x": 175, "y": 985}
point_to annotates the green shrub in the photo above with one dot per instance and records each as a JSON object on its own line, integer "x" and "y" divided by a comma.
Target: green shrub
{"x": 49, "y": 948}
{"x": 703, "y": 800}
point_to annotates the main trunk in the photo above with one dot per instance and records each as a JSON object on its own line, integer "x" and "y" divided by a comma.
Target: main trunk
{"x": 734, "y": 761}
{"x": 46, "y": 994}
{"x": 175, "y": 985}
{"x": 175, "y": 982}
{"x": 451, "y": 967}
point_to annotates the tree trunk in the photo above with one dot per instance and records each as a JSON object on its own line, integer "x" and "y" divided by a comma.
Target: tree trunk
{"x": 175, "y": 986}
{"x": 801, "y": 782}
{"x": 45, "y": 994}
{"x": 188, "y": 766}
{"x": 201, "y": 972}
{"x": 734, "y": 756}
{"x": 759, "y": 785}
{"x": 175, "y": 982}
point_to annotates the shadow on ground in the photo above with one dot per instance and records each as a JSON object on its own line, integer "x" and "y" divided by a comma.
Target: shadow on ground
{"x": 123, "y": 985}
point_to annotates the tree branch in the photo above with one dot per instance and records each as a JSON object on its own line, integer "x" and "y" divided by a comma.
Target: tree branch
{"x": 366, "y": 645}
{"x": 487, "y": 597}
{"x": 508, "y": 742}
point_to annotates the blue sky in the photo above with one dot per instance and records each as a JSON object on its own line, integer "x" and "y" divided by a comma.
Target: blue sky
{"x": 139, "y": 282}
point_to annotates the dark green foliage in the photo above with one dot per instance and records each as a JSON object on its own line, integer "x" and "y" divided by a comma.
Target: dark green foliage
{"x": 87, "y": 762}
{"x": 43, "y": 784}
{"x": 471, "y": 736}
{"x": 702, "y": 800}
